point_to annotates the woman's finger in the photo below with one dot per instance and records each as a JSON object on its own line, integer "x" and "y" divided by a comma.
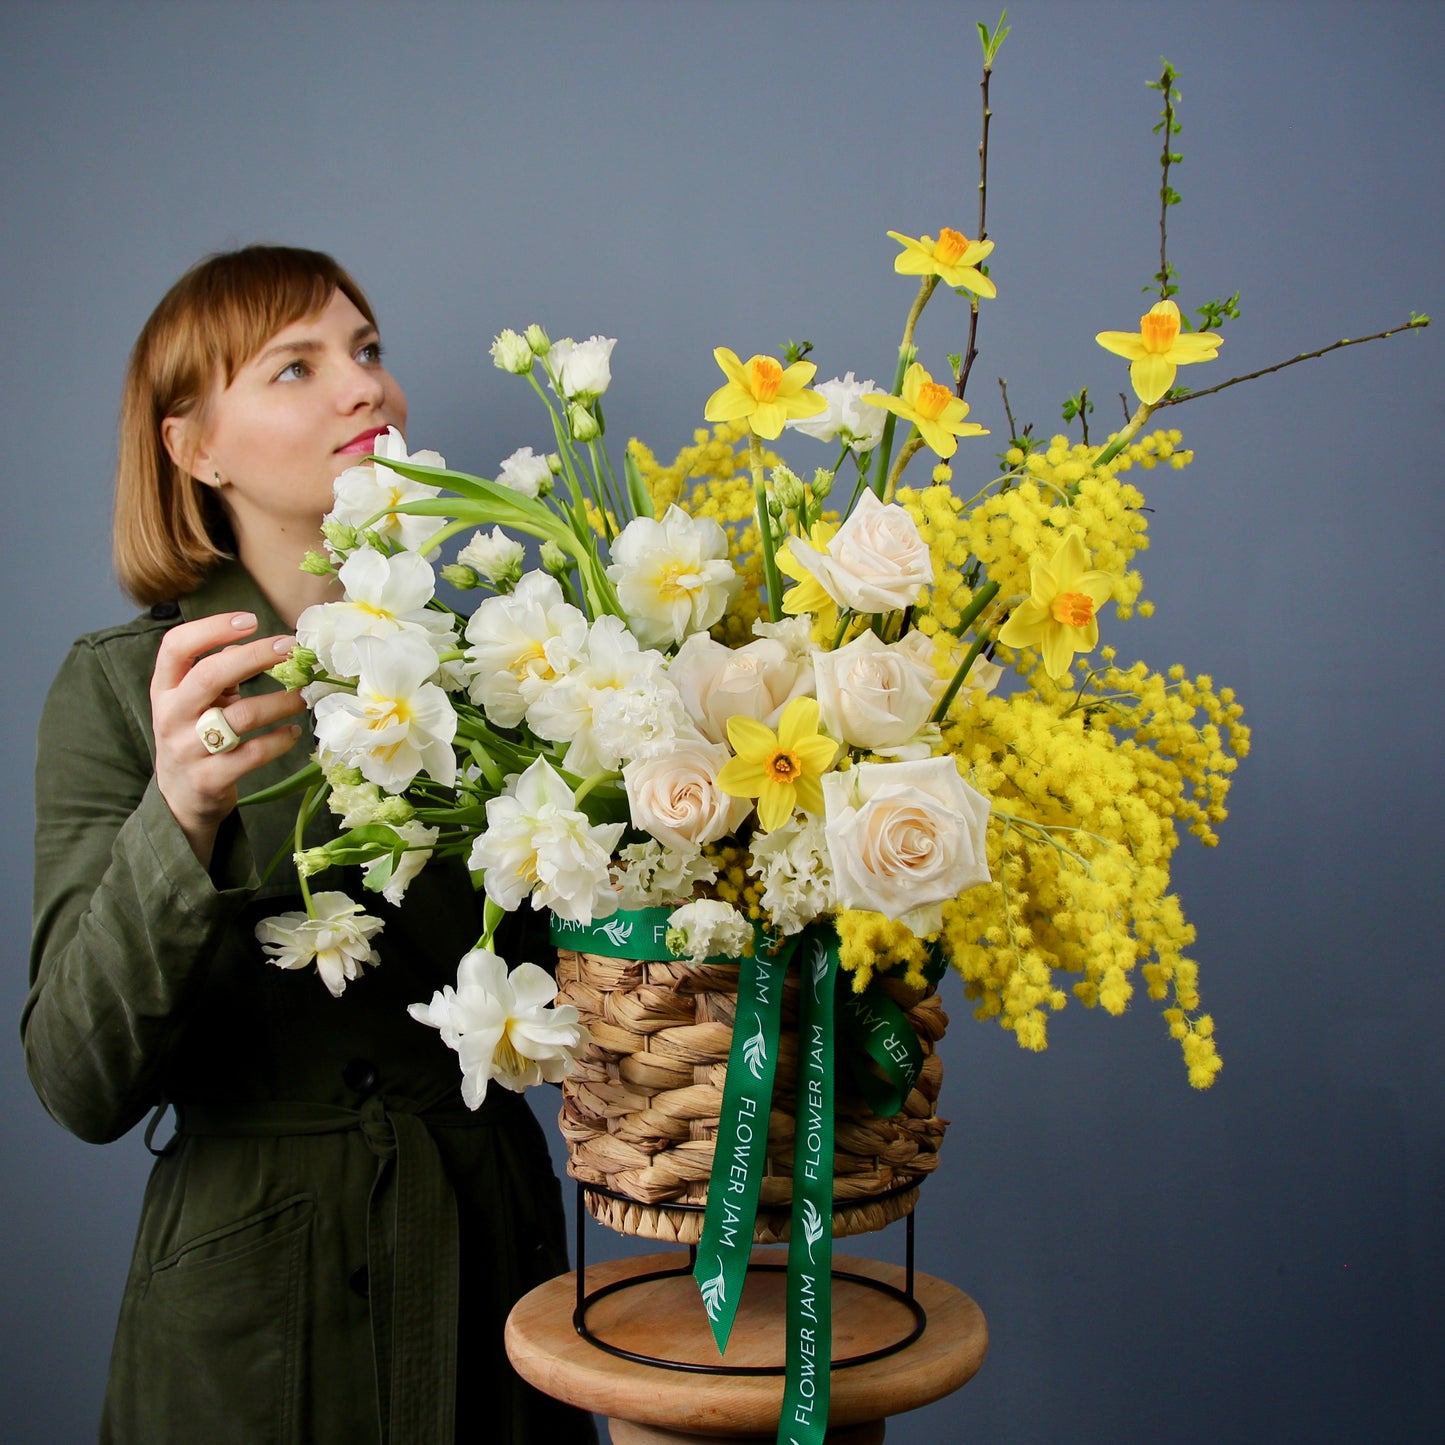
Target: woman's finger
{"x": 183, "y": 646}
{"x": 247, "y": 714}
{"x": 220, "y": 674}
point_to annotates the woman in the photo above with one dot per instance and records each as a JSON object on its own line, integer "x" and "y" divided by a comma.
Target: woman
{"x": 329, "y": 1246}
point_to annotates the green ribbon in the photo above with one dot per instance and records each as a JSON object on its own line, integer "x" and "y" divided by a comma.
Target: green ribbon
{"x": 726, "y": 1245}
{"x": 804, "y": 1420}
{"x": 880, "y": 1032}
{"x": 639, "y": 933}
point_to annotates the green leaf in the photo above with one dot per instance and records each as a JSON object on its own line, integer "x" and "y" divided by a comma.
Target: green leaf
{"x": 637, "y": 492}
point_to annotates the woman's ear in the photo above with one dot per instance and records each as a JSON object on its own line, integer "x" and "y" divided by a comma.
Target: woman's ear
{"x": 187, "y": 450}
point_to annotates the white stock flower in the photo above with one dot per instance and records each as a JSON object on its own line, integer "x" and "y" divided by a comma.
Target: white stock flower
{"x": 847, "y": 419}
{"x": 796, "y": 871}
{"x": 524, "y": 472}
{"x": 397, "y": 723}
{"x": 537, "y": 843}
{"x": 875, "y": 695}
{"x": 521, "y": 645}
{"x": 876, "y": 561}
{"x": 408, "y": 864}
{"x": 582, "y": 369}
{"x": 510, "y": 352}
{"x": 497, "y": 558}
{"x": 674, "y": 796}
{"x": 362, "y": 492}
{"x": 384, "y": 596}
{"x": 650, "y": 875}
{"x": 757, "y": 680}
{"x": 904, "y": 838}
{"x": 502, "y": 1027}
{"x": 673, "y": 577}
{"x": 706, "y": 929}
{"x": 615, "y": 704}
{"x": 336, "y": 939}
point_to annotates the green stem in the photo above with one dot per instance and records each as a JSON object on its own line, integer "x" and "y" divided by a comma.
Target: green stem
{"x": 884, "y": 453}
{"x": 985, "y": 595}
{"x": 771, "y": 577}
{"x": 1123, "y": 438}
{"x": 911, "y": 448}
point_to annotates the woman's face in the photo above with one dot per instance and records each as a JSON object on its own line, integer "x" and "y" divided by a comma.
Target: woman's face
{"x": 308, "y": 405}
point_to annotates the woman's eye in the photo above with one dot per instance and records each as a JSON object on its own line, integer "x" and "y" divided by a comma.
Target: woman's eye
{"x": 295, "y": 372}
{"x": 370, "y": 353}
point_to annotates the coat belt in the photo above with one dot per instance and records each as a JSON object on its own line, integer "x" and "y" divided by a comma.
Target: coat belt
{"x": 413, "y": 1289}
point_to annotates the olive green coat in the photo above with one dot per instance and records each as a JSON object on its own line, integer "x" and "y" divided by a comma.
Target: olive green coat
{"x": 329, "y": 1246}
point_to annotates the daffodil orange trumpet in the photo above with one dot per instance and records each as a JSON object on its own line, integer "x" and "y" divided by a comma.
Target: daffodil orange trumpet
{"x": 763, "y": 392}
{"x": 1158, "y": 349}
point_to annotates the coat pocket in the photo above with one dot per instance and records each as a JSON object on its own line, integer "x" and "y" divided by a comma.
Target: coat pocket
{"x": 214, "y": 1340}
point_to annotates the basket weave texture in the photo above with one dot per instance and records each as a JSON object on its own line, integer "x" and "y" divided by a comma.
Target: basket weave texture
{"x": 640, "y": 1112}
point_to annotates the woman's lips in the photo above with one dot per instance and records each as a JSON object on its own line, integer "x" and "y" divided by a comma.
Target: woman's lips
{"x": 361, "y": 445}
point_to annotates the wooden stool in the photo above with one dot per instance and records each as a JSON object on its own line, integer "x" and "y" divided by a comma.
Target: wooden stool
{"x": 651, "y": 1405}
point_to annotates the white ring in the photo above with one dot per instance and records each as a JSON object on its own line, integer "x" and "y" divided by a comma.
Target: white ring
{"x": 215, "y": 733}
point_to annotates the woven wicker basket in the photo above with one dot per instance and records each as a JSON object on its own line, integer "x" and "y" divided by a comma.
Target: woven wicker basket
{"x": 640, "y": 1112}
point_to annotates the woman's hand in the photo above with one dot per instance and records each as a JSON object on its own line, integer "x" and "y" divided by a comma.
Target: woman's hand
{"x": 190, "y": 676}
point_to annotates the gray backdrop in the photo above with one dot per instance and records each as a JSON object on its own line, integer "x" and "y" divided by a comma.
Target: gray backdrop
{"x": 1259, "y": 1263}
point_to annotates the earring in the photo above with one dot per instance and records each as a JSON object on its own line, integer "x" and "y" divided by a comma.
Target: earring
{"x": 217, "y": 476}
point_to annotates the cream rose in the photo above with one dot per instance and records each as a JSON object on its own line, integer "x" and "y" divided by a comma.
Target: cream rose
{"x": 874, "y": 694}
{"x": 756, "y": 681}
{"x": 905, "y": 838}
{"x": 876, "y": 561}
{"x": 675, "y": 797}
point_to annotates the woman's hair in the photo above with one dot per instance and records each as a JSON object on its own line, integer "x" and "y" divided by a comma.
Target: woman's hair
{"x": 170, "y": 529}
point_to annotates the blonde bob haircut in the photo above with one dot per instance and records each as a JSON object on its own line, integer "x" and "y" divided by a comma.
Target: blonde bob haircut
{"x": 170, "y": 530}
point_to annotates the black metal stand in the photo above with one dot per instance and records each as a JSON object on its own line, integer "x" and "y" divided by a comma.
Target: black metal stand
{"x": 585, "y": 1300}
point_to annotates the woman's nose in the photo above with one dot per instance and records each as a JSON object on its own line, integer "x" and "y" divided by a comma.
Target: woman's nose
{"x": 362, "y": 386}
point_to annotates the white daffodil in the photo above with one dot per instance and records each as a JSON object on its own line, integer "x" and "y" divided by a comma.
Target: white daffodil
{"x": 521, "y": 645}
{"x": 673, "y": 577}
{"x": 796, "y": 870}
{"x": 334, "y": 937}
{"x": 496, "y": 558}
{"x": 537, "y": 843}
{"x": 399, "y": 876}
{"x": 362, "y": 492}
{"x": 397, "y": 723}
{"x": 581, "y": 370}
{"x": 525, "y": 472}
{"x": 847, "y": 419}
{"x": 384, "y": 596}
{"x": 504, "y": 1026}
{"x": 614, "y": 705}
{"x": 706, "y": 929}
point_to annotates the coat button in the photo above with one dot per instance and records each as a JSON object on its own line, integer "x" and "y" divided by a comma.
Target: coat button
{"x": 165, "y": 611}
{"x": 360, "y": 1076}
{"x": 360, "y": 1281}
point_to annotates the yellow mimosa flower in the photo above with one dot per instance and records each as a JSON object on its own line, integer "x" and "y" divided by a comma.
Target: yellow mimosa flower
{"x": 763, "y": 392}
{"x": 1158, "y": 349}
{"x": 1060, "y": 616}
{"x": 952, "y": 258}
{"x": 932, "y": 408}
{"x": 783, "y": 770}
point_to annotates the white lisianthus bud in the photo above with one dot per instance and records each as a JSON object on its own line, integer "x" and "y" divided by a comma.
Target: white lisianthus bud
{"x": 537, "y": 340}
{"x": 460, "y": 576}
{"x": 706, "y": 929}
{"x": 317, "y": 564}
{"x": 582, "y": 370}
{"x": 497, "y": 557}
{"x": 510, "y": 352}
{"x": 554, "y": 463}
{"x": 584, "y": 426}
{"x": 822, "y": 483}
{"x": 524, "y": 472}
{"x": 554, "y": 559}
{"x": 788, "y": 488}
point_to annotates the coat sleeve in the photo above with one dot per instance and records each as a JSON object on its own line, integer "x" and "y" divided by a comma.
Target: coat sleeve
{"x": 126, "y": 918}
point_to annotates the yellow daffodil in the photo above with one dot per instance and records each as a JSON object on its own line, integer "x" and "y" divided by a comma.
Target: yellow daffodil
{"x": 1158, "y": 349}
{"x": 952, "y": 258}
{"x": 809, "y": 595}
{"x": 783, "y": 770}
{"x": 1060, "y": 616}
{"x": 932, "y": 408}
{"x": 764, "y": 392}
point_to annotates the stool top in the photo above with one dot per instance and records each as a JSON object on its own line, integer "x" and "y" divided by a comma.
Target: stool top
{"x": 665, "y": 1317}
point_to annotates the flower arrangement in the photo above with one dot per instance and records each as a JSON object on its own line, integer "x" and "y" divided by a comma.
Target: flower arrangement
{"x": 855, "y": 715}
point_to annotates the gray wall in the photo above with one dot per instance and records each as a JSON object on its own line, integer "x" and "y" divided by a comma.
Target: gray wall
{"x": 1259, "y": 1263}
